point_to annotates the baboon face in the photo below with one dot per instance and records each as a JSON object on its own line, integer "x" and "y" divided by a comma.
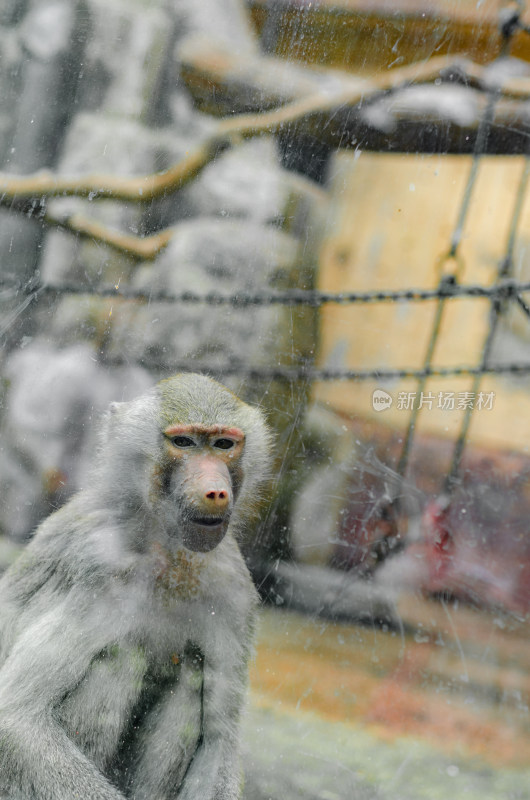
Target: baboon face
{"x": 199, "y": 480}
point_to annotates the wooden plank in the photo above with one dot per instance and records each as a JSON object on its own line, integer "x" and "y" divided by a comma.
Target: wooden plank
{"x": 367, "y": 35}
{"x": 390, "y": 226}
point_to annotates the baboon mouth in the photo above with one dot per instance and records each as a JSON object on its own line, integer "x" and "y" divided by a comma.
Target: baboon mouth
{"x": 209, "y": 522}
{"x": 203, "y": 534}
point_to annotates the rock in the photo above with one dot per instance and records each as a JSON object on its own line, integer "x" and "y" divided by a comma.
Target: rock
{"x": 327, "y": 593}
{"x": 245, "y": 226}
{"x": 53, "y": 402}
{"x": 45, "y": 58}
{"x": 227, "y": 257}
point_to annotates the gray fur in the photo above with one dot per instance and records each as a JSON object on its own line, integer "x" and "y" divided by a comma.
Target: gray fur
{"x": 114, "y": 682}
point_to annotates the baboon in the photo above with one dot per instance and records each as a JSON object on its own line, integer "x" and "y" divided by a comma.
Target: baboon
{"x": 126, "y": 624}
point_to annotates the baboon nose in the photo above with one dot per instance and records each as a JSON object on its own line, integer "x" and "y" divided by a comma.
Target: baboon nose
{"x": 218, "y": 498}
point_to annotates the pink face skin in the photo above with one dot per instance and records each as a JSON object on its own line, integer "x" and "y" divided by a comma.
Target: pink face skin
{"x": 208, "y": 458}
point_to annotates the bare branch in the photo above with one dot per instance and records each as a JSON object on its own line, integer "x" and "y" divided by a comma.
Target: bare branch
{"x": 144, "y": 248}
{"x": 248, "y": 125}
{"x": 341, "y": 110}
{"x": 229, "y": 131}
{"x": 25, "y": 193}
{"x": 136, "y": 190}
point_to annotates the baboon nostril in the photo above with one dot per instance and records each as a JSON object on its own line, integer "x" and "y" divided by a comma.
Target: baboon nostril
{"x": 217, "y": 496}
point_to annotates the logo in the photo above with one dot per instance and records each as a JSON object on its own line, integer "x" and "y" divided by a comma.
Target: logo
{"x": 381, "y": 400}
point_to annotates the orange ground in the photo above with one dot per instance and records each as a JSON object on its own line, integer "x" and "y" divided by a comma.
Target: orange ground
{"x": 461, "y": 682}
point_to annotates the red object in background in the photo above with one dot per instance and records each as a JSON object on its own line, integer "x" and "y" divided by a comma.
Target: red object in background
{"x": 438, "y": 540}
{"x": 474, "y": 545}
{"x": 467, "y": 559}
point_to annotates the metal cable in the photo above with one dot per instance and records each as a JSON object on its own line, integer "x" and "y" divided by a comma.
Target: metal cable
{"x": 496, "y": 307}
{"x": 449, "y": 280}
{"x": 505, "y": 289}
{"x": 509, "y": 24}
{"x": 309, "y": 373}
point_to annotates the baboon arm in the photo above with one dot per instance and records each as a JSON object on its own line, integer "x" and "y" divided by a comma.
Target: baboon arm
{"x": 215, "y": 773}
{"x": 37, "y": 759}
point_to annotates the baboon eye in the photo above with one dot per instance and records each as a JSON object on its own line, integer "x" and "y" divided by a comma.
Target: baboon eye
{"x": 223, "y": 444}
{"x": 183, "y": 441}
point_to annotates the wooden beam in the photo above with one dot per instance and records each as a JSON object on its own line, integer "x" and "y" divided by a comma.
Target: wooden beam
{"x": 368, "y": 35}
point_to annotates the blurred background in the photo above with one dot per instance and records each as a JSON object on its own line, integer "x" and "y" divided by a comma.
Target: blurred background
{"x": 324, "y": 205}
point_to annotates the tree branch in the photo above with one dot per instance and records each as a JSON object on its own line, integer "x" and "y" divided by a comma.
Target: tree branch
{"x": 229, "y": 131}
{"x": 141, "y": 189}
{"x": 140, "y": 247}
{"x": 315, "y": 110}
